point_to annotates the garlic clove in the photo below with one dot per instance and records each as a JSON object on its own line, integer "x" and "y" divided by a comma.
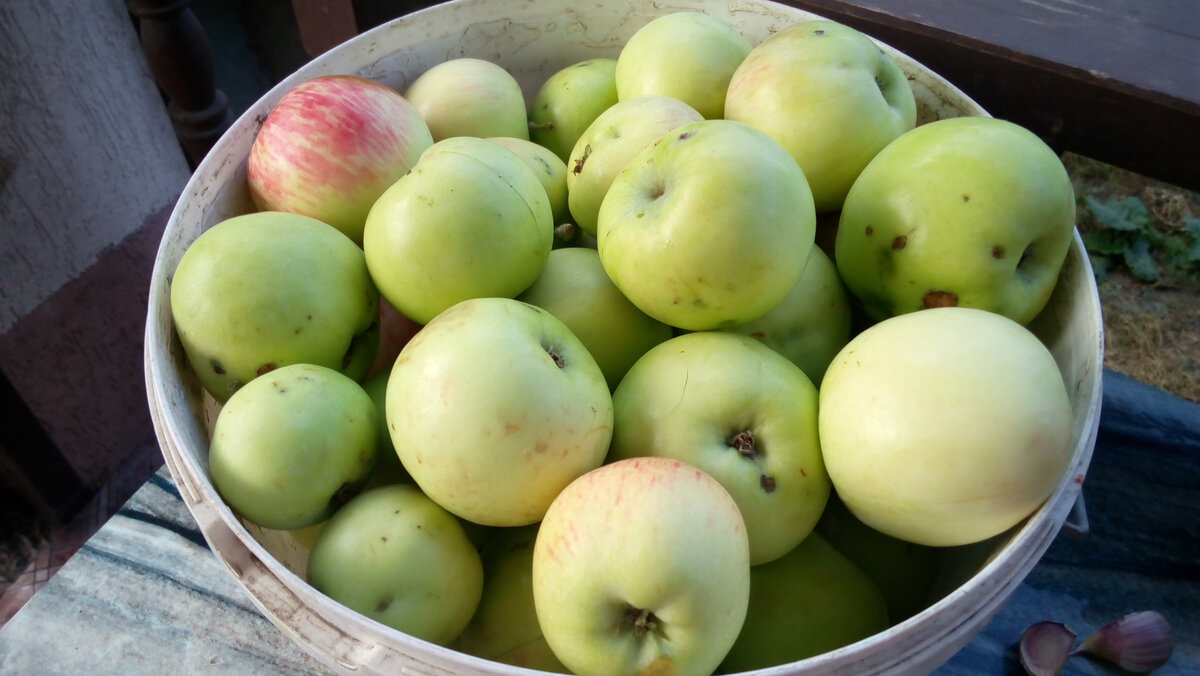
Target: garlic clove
{"x": 1139, "y": 642}
{"x": 1045, "y": 647}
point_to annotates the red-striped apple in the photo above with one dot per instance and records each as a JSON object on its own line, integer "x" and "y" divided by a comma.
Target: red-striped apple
{"x": 331, "y": 146}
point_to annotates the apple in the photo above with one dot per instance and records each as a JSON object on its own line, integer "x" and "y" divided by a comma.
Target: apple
{"x": 830, "y": 95}
{"x": 969, "y": 211}
{"x": 470, "y": 220}
{"x": 550, "y": 170}
{"x": 395, "y": 330}
{"x": 569, "y": 101}
{"x": 469, "y": 97}
{"x": 505, "y": 627}
{"x": 810, "y": 601}
{"x": 741, "y": 412}
{"x": 388, "y": 468}
{"x": 905, "y": 572}
{"x": 812, "y": 323}
{"x": 494, "y": 407}
{"x": 574, "y": 288}
{"x": 684, "y": 55}
{"x": 264, "y": 290}
{"x": 610, "y": 142}
{"x": 642, "y": 566}
{"x": 290, "y": 448}
{"x": 396, "y": 557}
{"x": 331, "y": 146}
{"x": 710, "y": 227}
{"x": 945, "y": 426}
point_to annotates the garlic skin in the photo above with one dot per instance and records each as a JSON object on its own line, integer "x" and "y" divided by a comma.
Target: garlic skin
{"x": 1139, "y": 642}
{"x": 1045, "y": 647}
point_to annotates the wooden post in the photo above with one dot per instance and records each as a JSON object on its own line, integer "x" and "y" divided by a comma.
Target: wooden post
{"x": 179, "y": 54}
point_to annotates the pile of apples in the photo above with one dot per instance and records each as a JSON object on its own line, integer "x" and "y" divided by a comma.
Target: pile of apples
{"x": 670, "y": 372}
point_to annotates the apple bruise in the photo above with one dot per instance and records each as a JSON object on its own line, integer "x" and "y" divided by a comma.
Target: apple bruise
{"x": 743, "y": 443}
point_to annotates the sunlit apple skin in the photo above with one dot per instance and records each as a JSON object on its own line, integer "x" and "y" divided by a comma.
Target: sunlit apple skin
{"x": 829, "y": 95}
{"x": 470, "y": 220}
{"x": 394, "y": 555}
{"x": 610, "y": 142}
{"x": 812, "y": 323}
{"x": 687, "y": 56}
{"x": 550, "y": 170}
{"x": 569, "y": 101}
{"x": 642, "y": 566}
{"x": 574, "y": 287}
{"x": 741, "y": 412}
{"x": 293, "y": 446}
{"x": 810, "y": 601}
{"x": 494, "y": 407}
{"x": 469, "y": 97}
{"x": 710, "y": 227}
{"x": 972, "y": 211}
{"x": 505, "y": 627}
{"x": 331, "y": 146}
{"x": 945, "y": 426}
{"x": 264, "y": 290}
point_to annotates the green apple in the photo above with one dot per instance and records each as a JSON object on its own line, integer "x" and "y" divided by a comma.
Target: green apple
{"x": 293, "y": 446}
{"x": 550, "y": 170}
{"x": 812, "y": 323}
{"x": 904, "y": 571}
{"x": 684, "y": 55}
{"x": 946, "y": 426}
{"x": 388, "y": 469}
{"x": 741, "y": 412}
{"x": 969, "y": 211}
{"x": 494, "y": 407}
{"x": 574, "y": 287}
{"x": 642, "y": 567}
{"x": 505, "y": 627}
{"x": 264, "y": 290}
{"x": 830, "y": 95}
{"x": 610, "y": 142}
{"x": 569, "y": 101}
{"x": 810, "y": 601}
{"x": 710, "y": 227}
{"x": 469, "y": 97}
{"x": 470, "y": 220}
{"x": 396, "y": 557}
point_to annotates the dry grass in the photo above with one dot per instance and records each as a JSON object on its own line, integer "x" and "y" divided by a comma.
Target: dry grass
{"x": 1152, "y": 331}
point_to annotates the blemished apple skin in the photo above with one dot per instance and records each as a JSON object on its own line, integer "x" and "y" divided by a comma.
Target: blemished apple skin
{"x": 971, "y": 212}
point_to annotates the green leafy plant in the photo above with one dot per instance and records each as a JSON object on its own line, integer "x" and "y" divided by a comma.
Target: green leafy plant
{"x": 1128, "y": 234}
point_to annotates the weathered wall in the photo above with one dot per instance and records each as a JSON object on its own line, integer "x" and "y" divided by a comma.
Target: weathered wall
{"x": 89, "y": 169}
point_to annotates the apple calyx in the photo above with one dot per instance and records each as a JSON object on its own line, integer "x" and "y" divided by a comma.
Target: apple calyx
{"x": 641, "y": 621}
{"x": 743, "y": 443}
{"x": 559, "y": 360}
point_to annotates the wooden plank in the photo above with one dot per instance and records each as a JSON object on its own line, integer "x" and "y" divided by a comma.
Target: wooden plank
{"x": 1116, "y": 80}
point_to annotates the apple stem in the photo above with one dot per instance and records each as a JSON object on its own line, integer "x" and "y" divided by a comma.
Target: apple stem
{"x": 559, "y": 359}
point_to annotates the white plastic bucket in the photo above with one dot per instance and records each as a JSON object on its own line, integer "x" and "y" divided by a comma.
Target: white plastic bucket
{"x": 533, "y": 39}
